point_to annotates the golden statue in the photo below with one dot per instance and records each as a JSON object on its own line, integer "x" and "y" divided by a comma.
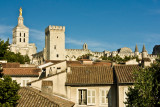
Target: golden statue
{"x": 20, "y": 11}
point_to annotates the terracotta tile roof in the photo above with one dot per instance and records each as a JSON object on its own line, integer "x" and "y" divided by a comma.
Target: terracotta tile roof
{"x": 74, "y": 63}
{"x": 54, "y": 61}
{"x": 102, "y": 63}
{"x": 90, "y": 75}
{"x": 34, "y": 98}
{"x": 85, "y": 60}
{"x": 23, "y": 72}
{"x": 124, "y": 73}
{"x": 11, "y": 65}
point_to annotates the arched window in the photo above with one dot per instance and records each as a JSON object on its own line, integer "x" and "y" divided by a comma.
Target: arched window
{"x": 24, "y": 40}
{"x": 20, "y": 34}
{"x": 57, "y": 55}
{"x": 24, "y": 34}
{"x": 20, "y": 40}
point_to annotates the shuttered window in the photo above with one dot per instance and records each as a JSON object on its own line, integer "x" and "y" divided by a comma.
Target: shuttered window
{"x": 91, "y": 97}
{"x": 105, "y": 97}
{"x": 82, "y": 96}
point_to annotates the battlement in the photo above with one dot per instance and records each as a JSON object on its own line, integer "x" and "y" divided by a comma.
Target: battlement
{"x": 62, "y": 28}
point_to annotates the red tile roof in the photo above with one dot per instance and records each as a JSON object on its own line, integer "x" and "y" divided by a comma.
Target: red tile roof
{"x": 124, "y": 73}
{"x": 11, "y": 65}
{"x": 23, "y": 72}
{"x": 90, "y": 75}
{"x": 34, "y": 98}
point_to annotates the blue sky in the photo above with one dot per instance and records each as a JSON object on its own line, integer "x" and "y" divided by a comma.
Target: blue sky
{"x": 102, "y": 24}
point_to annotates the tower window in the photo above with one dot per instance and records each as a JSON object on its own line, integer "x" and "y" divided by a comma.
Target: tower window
{"x": 57, "y": 36}
{"x": 20, "y": 34}
{"x": 54, "y": 46}
{"x": 20, "y": 40}
{"x": 24, "y": 34}
{"x": 24, "y": 40}
{"x": 57, "y": 55}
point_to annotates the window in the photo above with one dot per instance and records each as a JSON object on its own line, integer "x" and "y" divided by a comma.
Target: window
{"x": 57, "y": 55}
{"x": 105, "y": 98}
{"x": 86, "y": 97}
{"x": 57, "y": 36}
{"x": 20, "y": 34}
{"x": 82, "y": 96}
{"x": 24, "y": 40}
{"x": 24, "y": 83}
{"x": 20, "y": 40}
{"x": 91, "y": 97}
{"x": 54, "y": 46}
{"x": 24, "y": 34}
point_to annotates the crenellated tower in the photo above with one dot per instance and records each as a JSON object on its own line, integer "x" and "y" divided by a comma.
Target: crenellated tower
{"x": 55, "y": 43}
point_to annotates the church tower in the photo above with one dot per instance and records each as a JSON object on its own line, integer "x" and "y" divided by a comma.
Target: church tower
{"x": 20, "y": 32}
{"x": 54, "y": 43}
{"x": 20, "y": 41}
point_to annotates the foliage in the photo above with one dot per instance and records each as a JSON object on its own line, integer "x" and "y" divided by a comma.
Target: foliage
{"x": 86, "y": 56}
{"x": 146, "y": 90}
{"x": 8, "y": 92}
{"x": 118, "y": 59}
{"x": 5, "y": 54}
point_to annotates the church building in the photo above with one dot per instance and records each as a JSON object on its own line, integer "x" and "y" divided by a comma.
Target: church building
{"x": 20, "y": 42}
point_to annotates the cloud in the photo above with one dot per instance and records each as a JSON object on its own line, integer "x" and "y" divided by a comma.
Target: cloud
{"x": 94, "y": 45}
{"x": 6, "y": 32}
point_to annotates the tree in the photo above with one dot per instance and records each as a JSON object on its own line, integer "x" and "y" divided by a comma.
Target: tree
{"x": 6, "y": 54}
{"x": 146, "y": 90}
{"x": 8, "y": 91}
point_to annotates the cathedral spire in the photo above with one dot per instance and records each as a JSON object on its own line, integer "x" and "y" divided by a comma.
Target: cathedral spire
{"x": 136, "y": 48}
{"x": 20, "y": 18}
{"x": 144, "y": 49}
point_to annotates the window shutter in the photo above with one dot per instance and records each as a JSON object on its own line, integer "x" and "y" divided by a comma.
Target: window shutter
{"x": 91, "y": 97}
{"x": 107, "y": 96}
{"x": 85, "y": 96}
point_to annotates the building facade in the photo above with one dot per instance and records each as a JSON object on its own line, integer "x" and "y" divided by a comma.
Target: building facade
{"x": 20, "y": 41}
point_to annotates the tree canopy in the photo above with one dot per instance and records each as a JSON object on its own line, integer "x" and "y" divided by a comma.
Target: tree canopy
{"x": 146, "y": 90}
{"x": 8, "y": 91}
{"x": 6, "y": 54}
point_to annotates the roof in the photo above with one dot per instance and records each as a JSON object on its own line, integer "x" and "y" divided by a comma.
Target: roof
{"x": 31, "y": 97}
{"x": 124, "y": 73}
{"x": 85, "y": 60}
{"x": 90, "y": 75}
{"x": 54, "y": 61}
{"x": 136, "y": 48}
{"x": 21, "y": 72}
{"x": 11, "y": 65}
{"x": 74, "y": 63}
{"x": 144, "y": 49}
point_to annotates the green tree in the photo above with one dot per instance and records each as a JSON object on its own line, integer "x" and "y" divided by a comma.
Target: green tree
{"x": 6, "y": 54}
{"x": 8, "y": 91}
{"x": 146, "y": 90}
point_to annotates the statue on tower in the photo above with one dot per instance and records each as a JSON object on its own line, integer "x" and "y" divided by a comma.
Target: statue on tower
{"x": 20, "y": 11}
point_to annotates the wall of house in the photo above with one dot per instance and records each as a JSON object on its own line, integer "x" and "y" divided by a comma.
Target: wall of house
{"x": 74, "y": 95}
{"x": 58, "y": 80}
{"x": 56, "y": 68}
{"x": 20, "y": 80}
{"x": 122, "y": 96}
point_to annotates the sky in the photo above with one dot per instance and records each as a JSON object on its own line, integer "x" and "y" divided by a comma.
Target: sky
{"x": 102, "y": 24}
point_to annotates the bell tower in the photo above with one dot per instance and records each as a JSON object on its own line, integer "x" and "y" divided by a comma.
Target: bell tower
{"x": 20, "y": 32}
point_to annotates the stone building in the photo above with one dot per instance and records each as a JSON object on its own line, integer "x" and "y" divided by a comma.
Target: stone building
{"x": 20, "y": 41}
{"x": 55, "y": 49}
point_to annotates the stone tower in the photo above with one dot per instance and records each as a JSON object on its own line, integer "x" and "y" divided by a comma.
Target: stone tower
{"x": 85, "y": 46}
{"x": 144, "y": 52}
{"x": 136, "y": 51}
{"x": 55, "y": 43}
{"x": 20, "y": 41}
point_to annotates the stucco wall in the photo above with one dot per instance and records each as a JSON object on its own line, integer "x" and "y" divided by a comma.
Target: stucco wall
{"x": 74, "y": 95}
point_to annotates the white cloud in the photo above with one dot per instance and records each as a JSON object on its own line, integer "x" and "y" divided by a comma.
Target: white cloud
{"x": 94, "y": 45}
